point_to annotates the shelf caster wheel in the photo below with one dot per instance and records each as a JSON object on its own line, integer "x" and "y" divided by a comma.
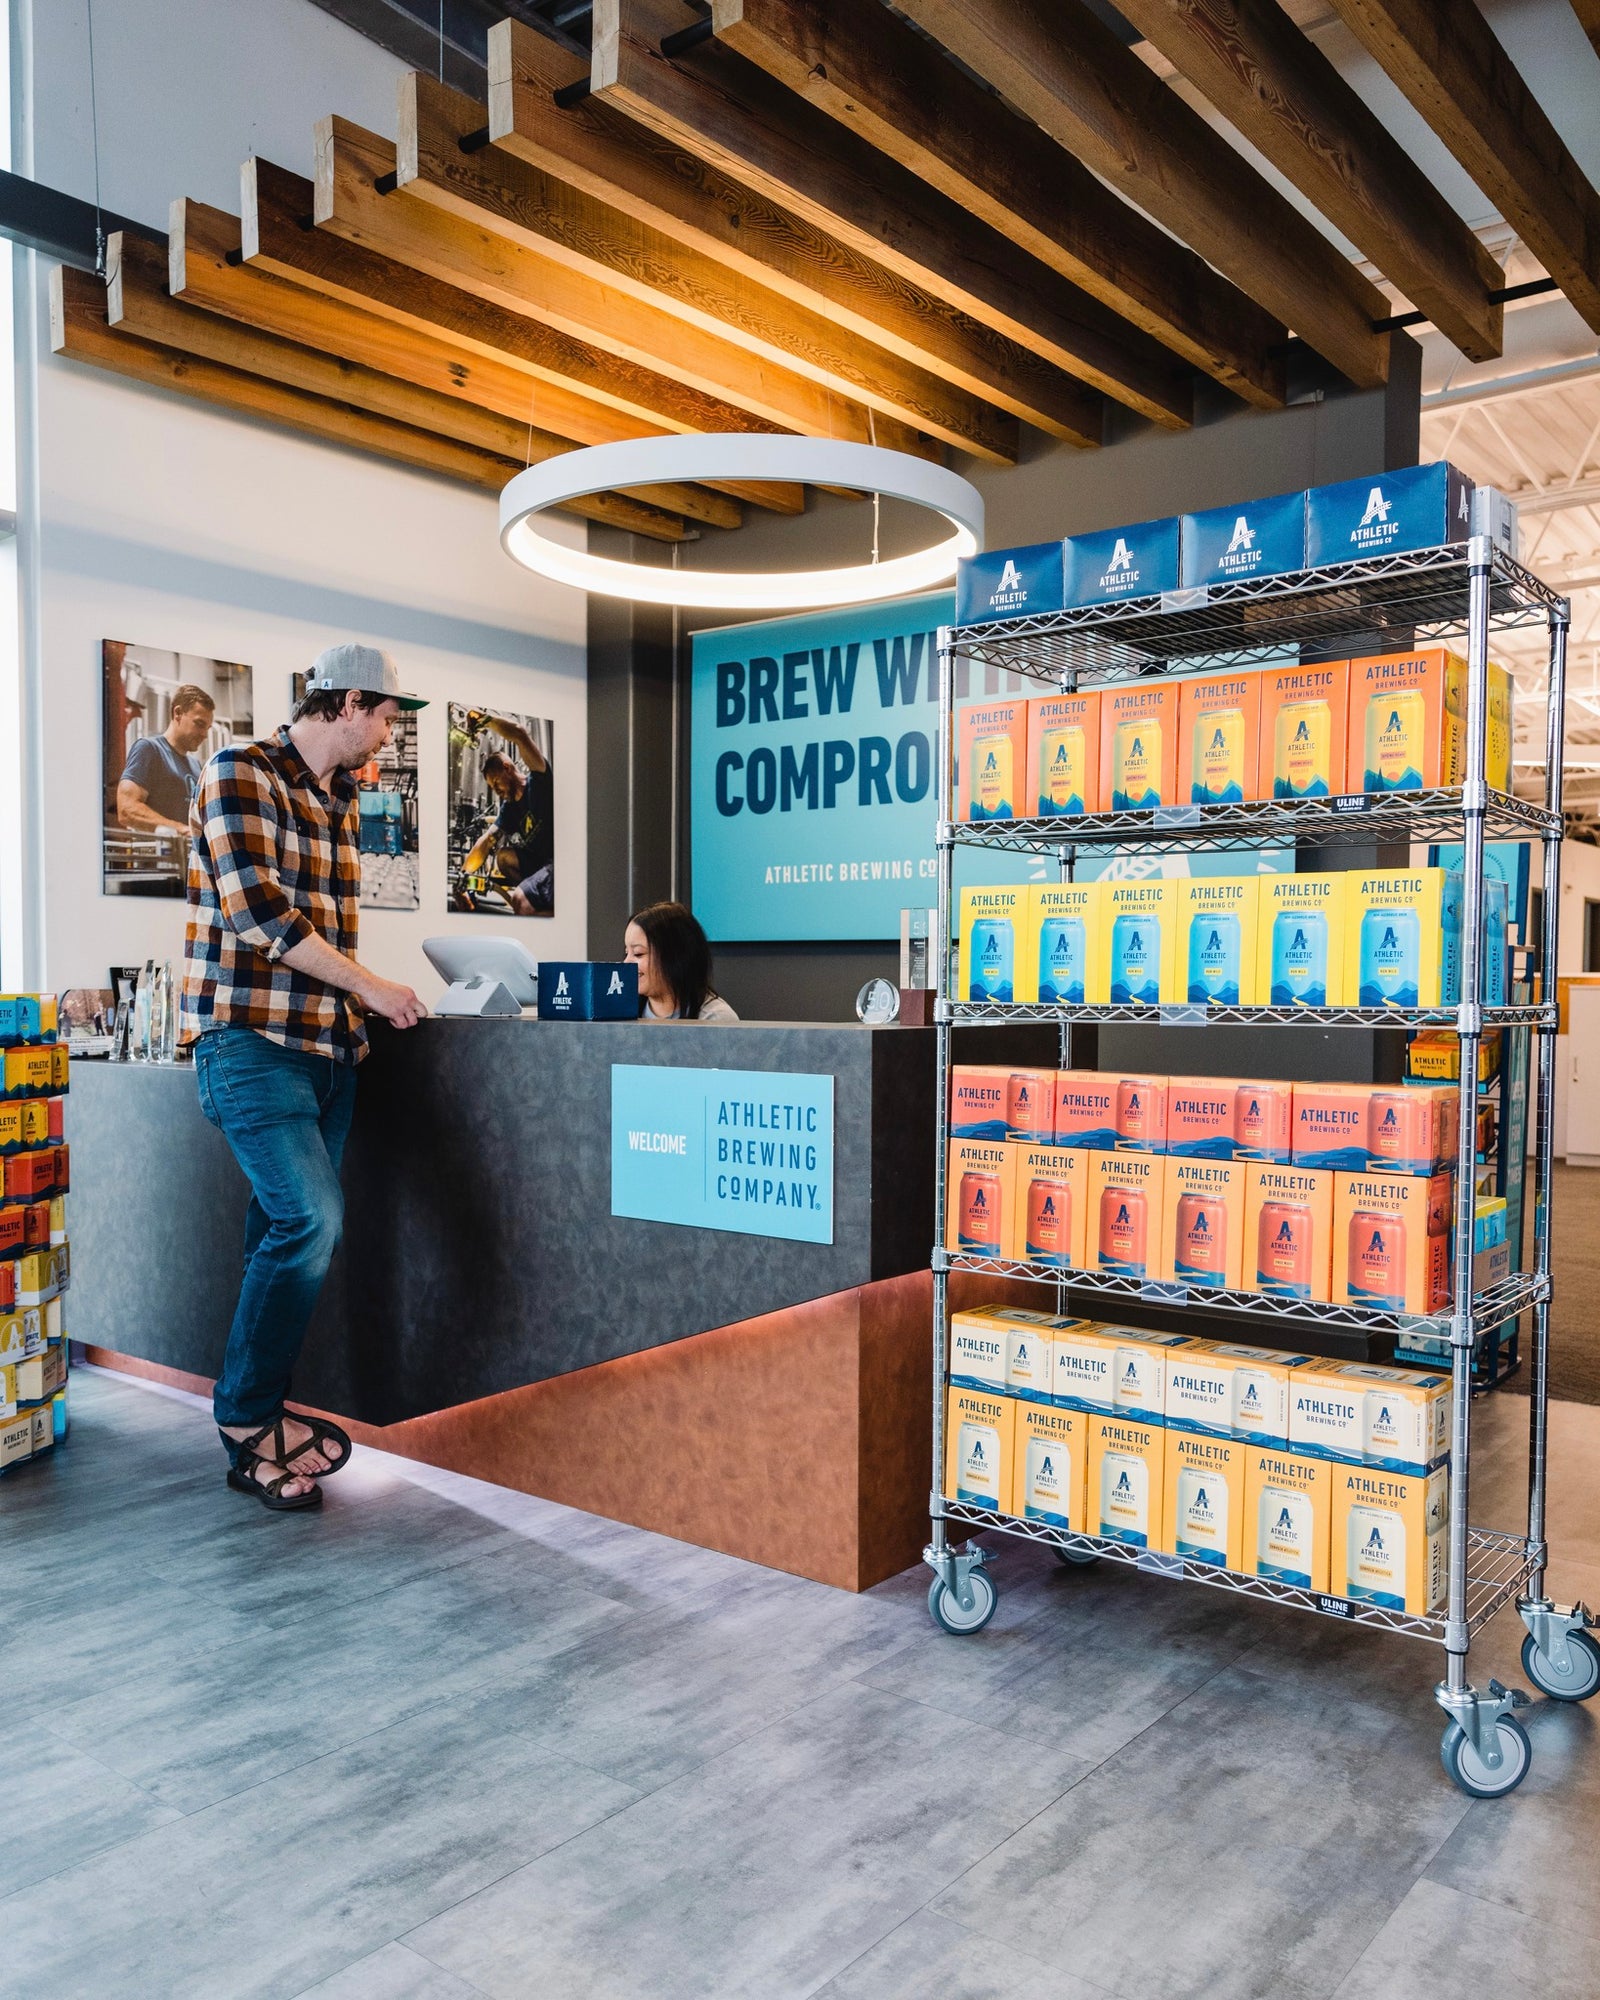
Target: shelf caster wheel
{"x": 1077, "y": 1558}
{"x": 945, "y": 1607}
{"x": 1575, "y": 1678}
{"x": 1464, "y": 1767}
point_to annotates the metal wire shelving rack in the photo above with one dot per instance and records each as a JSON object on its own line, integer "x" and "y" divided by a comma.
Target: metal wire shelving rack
{"x": 1455, "y": 593}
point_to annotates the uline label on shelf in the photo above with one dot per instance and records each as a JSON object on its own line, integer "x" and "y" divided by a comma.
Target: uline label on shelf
{"x": 1334, "y": 1607}
{"x": 1350, "y": 802}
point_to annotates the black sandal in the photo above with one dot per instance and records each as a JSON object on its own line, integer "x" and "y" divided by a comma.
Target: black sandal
{"x": 269, "y": 1492}
{"x": 322, "y": 1435}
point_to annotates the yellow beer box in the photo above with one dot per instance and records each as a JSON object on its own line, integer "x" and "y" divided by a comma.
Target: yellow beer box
{"x": 1030, "y": 1353}
{"x": 1050, "y": 1205}
{"x": 16, "y": 1439}
{"x": 1122, "y": 1231}
{"x": 1217, "y": 960}
{"x": 1288, "y": 1503}
{"x": 1083, "y": 1363}
{"x": 1403, "y": 938}
{"x": 980, "y": 1432}
{"x": 978, "y": 1349}
{"x": 44, "y": 1435}
{"x": 31, "y": 1072}
{"x": 1259, "y": 1410}
{"x": 60, "y": 1068}
{"x": 1202, "y": 1222}
{"x": 1127, "y": 1480}
{"x": 1203, "y": 1508}
{"x": 8, "y": 1392}
{"x": 1388, "y": 1537}
{"x": 1140, "y": 920}
{"x": 1064, "y": 941}
{"x": 1405, "y": 1420}
{"x": 1327, "y": 1412}
{"x": 993, "y": 968}
{"x": 1139, "y": 1370}
{"x": 1050, "y": 1467}
{"x": 1301, "y": 956}
{"x": 979, "y": 1195}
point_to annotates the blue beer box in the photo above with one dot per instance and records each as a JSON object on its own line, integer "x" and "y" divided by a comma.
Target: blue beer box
{"x": 1389, "y": 513}
{"x": 1009, "y": 583}
{"x": 1256, "y": 538}
{"x": 1136, "y": 561}
{"x": 588, "y": 990}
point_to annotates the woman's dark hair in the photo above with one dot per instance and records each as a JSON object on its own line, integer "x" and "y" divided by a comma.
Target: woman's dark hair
{"x": 683, "y": 957}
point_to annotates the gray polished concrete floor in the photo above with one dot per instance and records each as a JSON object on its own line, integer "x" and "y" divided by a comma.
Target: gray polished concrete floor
{"x": 445, "y": 1741}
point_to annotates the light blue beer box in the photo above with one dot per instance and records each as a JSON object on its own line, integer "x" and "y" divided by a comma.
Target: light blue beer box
{"x": 1137, "y": 561}
{"x": 1421, "y": 507}
{"x": 1234, "y": 544}
{"x": 1009, "y": 583}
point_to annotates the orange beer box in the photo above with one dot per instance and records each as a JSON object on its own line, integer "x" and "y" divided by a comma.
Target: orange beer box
{"x": 993, "y": 742}
{"x": 1408, "y": 722}
{"x": 1288, "y": 1231}
{"x": 1391, "y": 1242}
{"x": 980, "y": 1195}
{"x": 1031, "y": 1105}
{"x": 1123, "y": 1224}
{"x": 1050, "y": 1206}
{"x": 1411, "y": 1129}
{"x": 1305, "y": 720}
{"x": 1064, "y": 754}
{"x": 1201, "y": 1117}
{"x": 1138, "y": 746}
{"x": 1330, "y": 1125}
{"x": 1139, "y": 1113}
{"x": 1202, "y": 1223}
{"x": 1086, "y": 1110}
{"x": 978, "y": 1100}
{"x": 1263, "y": 1121}
{"x": 1219, "y": 723}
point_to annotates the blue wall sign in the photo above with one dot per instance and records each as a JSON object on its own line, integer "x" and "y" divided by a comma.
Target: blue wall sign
{"x": 739, "y": 1149}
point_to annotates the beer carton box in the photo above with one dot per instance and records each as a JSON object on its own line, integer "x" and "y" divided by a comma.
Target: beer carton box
{"x": 980, "y": 1431}
{"x": 1086, "y": 1110}
{"x": 1405, "y": 1423}
{"x": 1127, "y": 1480}
{"x": 992, "y": 924}
{"x": 1330, "y": 1125}
{"x": 1326, "y": 1413}
{"x": 1031, "y": 1105}
{"x": 1138, "y": 746}
{"x": 1219, "y": 726}
{"x": 1288, "y": 1231}
{"x": 1288, "y": 1506}
{"x": 1391, "y": 1243}
{"x": 978, "y": 1100}
{"x": 1050, "y": 1454}
{"x": 1140, "y": 560}
{"x": 30, "y": 1072}
{"x": 1411, "y": 1129}
{"x": 978, "y": 1349}
{"x": 1233, "y": 544}
{"x": 1301, "y": 954}
{"x": 1217, "y": 960}
{"x": 1305, "y": 722}
{"x": 1139, "y": 1370}
{"x": 1408, "y": 722}
{"x": 1064, "y": 942}
{"x": 979, "y": 1196}
{"x": 1139, "y": 1113}
{"x": 1141, "y": 928}
{"x": 1009, "y": 583}
{"x": 1387, "y": 513}
{"x": 992, "y": 737}
{"x": 1263, "y": 1121}
{"x": 1388, "y": 1537}
{"x": 1050, "y": 1206}
{"x": 1063, "y": 754}
{"x": 1203, "y": 1500}
{"x": 1030, "y": 1353}
{"x": 1122, "y": 1228}
{"x": 1083, "y": 1368}
{"x": 1261, "y": 1377}
{"x": 16, "y": 1439}
{"x": 1203, "y": 1223}
{"x": 1403, "y": 938}
{"x": 1202, "y": 1120}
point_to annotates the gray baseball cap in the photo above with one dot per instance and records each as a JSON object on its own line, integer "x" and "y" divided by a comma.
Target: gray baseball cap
{"x": 364, "y": 667}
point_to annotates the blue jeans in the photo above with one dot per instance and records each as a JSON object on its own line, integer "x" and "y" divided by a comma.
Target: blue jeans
{"x": 286, "y": 1114}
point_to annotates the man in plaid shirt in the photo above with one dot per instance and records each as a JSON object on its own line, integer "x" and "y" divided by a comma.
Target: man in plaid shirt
{"x": 276, "y": 1000}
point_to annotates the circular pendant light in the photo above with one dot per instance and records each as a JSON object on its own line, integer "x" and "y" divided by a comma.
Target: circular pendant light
{"x": 737, "y": 455}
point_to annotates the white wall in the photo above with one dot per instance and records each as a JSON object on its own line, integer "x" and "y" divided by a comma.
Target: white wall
{"x": 153, "y": 519}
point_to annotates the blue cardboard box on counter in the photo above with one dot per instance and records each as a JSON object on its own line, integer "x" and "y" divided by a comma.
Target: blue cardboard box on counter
{"x": 1136, "y": 561}
{"x": 588, "y": 990}
{"x": 1009, "y": 583}
{"x": 1255, "y": 538}
{"x": 1421, "y": 507}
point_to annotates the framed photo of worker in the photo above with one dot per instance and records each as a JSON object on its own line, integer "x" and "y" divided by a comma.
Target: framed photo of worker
{"x": 391, "y": 874}
{"x": 502, "y": 813}
{"x": 164, "y": 714}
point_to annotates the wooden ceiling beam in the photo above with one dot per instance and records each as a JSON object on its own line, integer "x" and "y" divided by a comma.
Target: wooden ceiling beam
{"x": 206, "y": 270}
{"x": 80, "y": 331}
{"x": 1056, "y": 62}
{"x": 866, "y": 68}
{"x": 349, "y": 203}
{"x": 737, "y": 119}
{"x": 494, "y": 190}
{"x": 1276, "y": 87}
{"x": 279, "y": 239}
{"x": 630, "y": 167}
{"x": 1446, "y": 59}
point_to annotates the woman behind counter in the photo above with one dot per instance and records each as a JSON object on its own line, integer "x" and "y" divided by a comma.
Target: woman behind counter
{"x": 667, "y": 944}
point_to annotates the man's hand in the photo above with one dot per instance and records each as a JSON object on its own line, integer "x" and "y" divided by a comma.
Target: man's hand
{"x": 396, "y": 1004}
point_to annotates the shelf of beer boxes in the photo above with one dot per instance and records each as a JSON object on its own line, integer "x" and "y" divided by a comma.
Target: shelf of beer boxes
{"x": 34, "y": 1257}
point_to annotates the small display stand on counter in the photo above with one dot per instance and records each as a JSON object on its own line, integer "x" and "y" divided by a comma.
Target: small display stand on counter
{"x": 34, "y": 1258}
{"x": 1342, "y": 1489}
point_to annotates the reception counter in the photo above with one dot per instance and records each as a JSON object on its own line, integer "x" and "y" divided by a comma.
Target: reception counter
{"x": 488, "y": 1311}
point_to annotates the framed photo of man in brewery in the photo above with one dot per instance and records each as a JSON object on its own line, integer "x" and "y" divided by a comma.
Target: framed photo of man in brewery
{"x": 391, "y": 868}
{"x": 163, "y": 715}
{"x": 502, "y": 813}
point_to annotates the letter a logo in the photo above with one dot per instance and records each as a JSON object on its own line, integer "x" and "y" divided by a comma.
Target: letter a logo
{"x": 1121, "y": 556}
{"x": 1009, "y": 579}
{"x": 1244, "y": 536}
{"x": 1377, "y": 508}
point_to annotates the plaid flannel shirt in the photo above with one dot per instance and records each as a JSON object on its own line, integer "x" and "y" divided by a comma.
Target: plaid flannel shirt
{"x": 275, "y": 859}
